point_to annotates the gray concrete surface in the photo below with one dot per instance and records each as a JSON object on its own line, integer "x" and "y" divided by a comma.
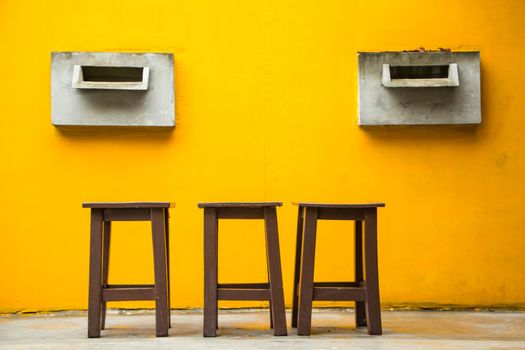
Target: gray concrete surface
{"x": 332, "y": 329}
{"x": 101, "y": 107}
{"x": 380, "y": 105}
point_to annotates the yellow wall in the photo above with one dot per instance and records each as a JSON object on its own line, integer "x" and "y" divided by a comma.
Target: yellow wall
{"x": 266, "y": 110}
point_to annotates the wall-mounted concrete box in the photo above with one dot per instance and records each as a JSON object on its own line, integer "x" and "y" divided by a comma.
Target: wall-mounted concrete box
{"x": 418, "y": 88}
{"x": 115, "y": 89}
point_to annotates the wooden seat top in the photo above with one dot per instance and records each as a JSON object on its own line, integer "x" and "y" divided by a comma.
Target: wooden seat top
{"x": 240, "y": 205}
{"x": 128, "y": 205}
{"x": 339, "y": 205}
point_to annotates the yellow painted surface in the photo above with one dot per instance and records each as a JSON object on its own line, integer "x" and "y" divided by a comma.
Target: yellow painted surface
{"x": 266, "y": 110}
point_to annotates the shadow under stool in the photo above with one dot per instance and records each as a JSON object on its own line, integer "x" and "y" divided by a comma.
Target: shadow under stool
{"x": 364, "y": 290}
{"x": 100, "y": 292}
{"x": 214, "y": 291}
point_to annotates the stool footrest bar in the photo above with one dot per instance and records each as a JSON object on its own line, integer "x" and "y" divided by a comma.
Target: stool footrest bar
{"x": 339, "y": 293}
{"x": 120, "y": 286}
{"x": 128, "y": 294}
{"x": 244, "y": 285}
{"x": 336, "y": 284}
{"x": 239, "y": 293}
{"x": 339, "y": 284}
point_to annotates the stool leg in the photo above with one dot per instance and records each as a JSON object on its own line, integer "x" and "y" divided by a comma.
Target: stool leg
{"x": 268, "y": 274}
{"x": 360, "y": 312}
{"x": 304, "y": 322}
{"x": 271, "y": 313}
{"x": 373, "y": 308}
{"x": 95, "y": 274}
{"x": 105, "y": 268}
{"x": 168, "y": 286}
{"x": 210, "y": 272}
{"x": 159, "y": 258}
{"x": 297, "y": 271}
{"x": 276, "y": 279}
{"x": 217, "y": 274}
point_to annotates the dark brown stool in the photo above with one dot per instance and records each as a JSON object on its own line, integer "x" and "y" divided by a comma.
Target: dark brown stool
{"x": 364, "y": 290}
{"x": 100, "y": 292}
{"x": 213, "y": 291}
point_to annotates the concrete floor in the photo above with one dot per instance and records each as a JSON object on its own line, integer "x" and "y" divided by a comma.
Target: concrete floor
{"x": 248, "y": 329}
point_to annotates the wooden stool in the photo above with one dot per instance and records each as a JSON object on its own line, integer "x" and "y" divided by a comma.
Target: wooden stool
{"x": 100, "y": 292}
{"x": 213, "y": 291}
{"x": 364, "y": 290}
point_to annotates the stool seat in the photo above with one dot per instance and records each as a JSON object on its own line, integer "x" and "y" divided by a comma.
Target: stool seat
{"x": 240, "y": 205}
{"x": 338, "y": 205}
{"x": 124, "y": 205}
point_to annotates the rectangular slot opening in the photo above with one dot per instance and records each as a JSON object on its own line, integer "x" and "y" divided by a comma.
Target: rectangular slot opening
{"x": 112, "y": 74}
{"x": 421, "y": 76}
{"x": 418, "y": 72}
{"x": 110, "y": 77}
